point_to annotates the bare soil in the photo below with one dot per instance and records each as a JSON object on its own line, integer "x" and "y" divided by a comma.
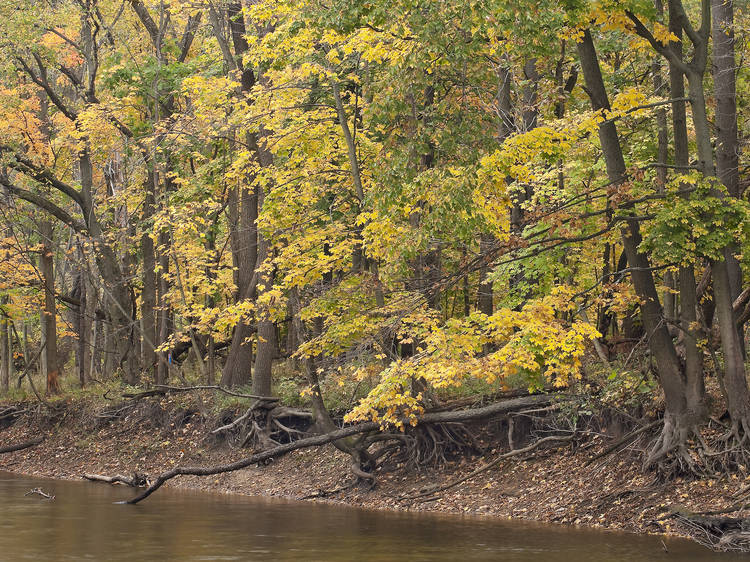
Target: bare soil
{"x": 546, "y": 485}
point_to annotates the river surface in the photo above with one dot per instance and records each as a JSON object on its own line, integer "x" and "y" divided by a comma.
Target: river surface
{"x": 84, "y": 523}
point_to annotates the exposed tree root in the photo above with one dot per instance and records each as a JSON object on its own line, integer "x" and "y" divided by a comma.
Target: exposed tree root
{"x": 721, "y": 534}
{"x": 441, "y": 488}
{"x": 498, "y": 408}
{"x": 623, "y": 441}
{"x": 254, "y": 459}
{"x": 670, "y": 454}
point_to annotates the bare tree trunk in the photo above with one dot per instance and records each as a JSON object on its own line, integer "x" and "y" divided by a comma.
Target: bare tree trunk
{"x": 735, "y": 383}
{"x": 694, "y": 379}
{"x": 244, "y": 243}
{"x": 727, "y": 143}
{"x": 49, "y": 312}
{"x": 149, "y": 332}
{"x": 243, "y": 208}
{"x": 5, "y": 349}
{"x": 677, "y": 426}
{"x": 163, "y": 316}
{"x": 662, "y": 155}
{"x": 505, "y": 126}
{"x": 262, "y": 376}
{"x": 83, "y": 327}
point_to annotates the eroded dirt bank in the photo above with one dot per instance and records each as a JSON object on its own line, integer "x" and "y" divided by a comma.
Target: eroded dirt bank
{"x": 547, "y": 485}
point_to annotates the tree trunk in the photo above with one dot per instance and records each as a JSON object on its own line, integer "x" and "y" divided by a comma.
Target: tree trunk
{"x": 5, "y": 349}
{"x": 735, "y": 383}
{"x": 49, "y": 311}
{"x": 83, "y": 328}
{"x": 727, "y": 143}
{"x": 677, "y": 424}
{"x": 694, "y": 379}
{"x": 243, "y": 210}
{"x": 262, "y": 377}
{"x": 163, "y": 313}
{"x": 149, "y": 332}
{"x": 244, "y": 244}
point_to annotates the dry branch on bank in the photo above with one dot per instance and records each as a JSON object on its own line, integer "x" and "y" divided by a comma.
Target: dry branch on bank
{"x": 21, "y": 446}
{"x": 498, "y": 408}
{"x": 137, "y": 480}
{"x": 163, "y": 389}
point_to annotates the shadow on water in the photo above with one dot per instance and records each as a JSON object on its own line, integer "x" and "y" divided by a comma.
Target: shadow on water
{"x": 84, "y": 523}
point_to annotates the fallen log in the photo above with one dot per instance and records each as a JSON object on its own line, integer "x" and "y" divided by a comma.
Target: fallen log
{"x": 498, "y": 408}
{"x": 21, "y": 446}
{"x": 138, "y": 480}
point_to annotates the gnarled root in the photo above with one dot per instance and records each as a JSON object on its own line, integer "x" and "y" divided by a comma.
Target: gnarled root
{"x": 732, "y": 452}
{"x": 670, "y": 454}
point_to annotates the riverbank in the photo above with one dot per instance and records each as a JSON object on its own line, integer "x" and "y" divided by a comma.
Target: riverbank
{"x": 545, "y": 485}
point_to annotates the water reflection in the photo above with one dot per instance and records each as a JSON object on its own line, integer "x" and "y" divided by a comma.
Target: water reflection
{"x": 83, "y": 523}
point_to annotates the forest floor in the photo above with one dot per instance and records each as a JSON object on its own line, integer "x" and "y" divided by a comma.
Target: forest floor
{"x": 547, "y": 485}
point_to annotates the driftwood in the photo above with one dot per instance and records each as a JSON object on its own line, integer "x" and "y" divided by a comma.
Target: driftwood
{"x": 40, "y": 492}
{"x": 137, "y": 480}
{"x": 498, "y": 408}
{"x": 20, "y": 446}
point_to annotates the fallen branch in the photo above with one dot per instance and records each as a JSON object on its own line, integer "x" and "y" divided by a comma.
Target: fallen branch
{"x": 20, "y": 446}
{"x": 487, "y": 466}
{"x": 366, "y": 427}
{"x": 162, "y": 389}
{"x": 12, "y": 413}
{"x": 219, "y": 388}
{"x": 138, "y": 480}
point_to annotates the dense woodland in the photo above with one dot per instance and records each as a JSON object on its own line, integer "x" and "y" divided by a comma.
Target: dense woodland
{"x": 399, "y": 202}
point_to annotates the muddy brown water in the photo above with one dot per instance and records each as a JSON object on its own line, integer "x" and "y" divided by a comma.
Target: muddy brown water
{"x": 84, "y": 523}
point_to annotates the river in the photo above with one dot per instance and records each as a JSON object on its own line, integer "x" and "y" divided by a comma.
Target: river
{"x": 84, "y": 523}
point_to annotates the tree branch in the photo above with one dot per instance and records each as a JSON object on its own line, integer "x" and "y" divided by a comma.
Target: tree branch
{"x": 42, "y": 203}
{"x": 663, "y": 50}
{"x": 41, "y": 81}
